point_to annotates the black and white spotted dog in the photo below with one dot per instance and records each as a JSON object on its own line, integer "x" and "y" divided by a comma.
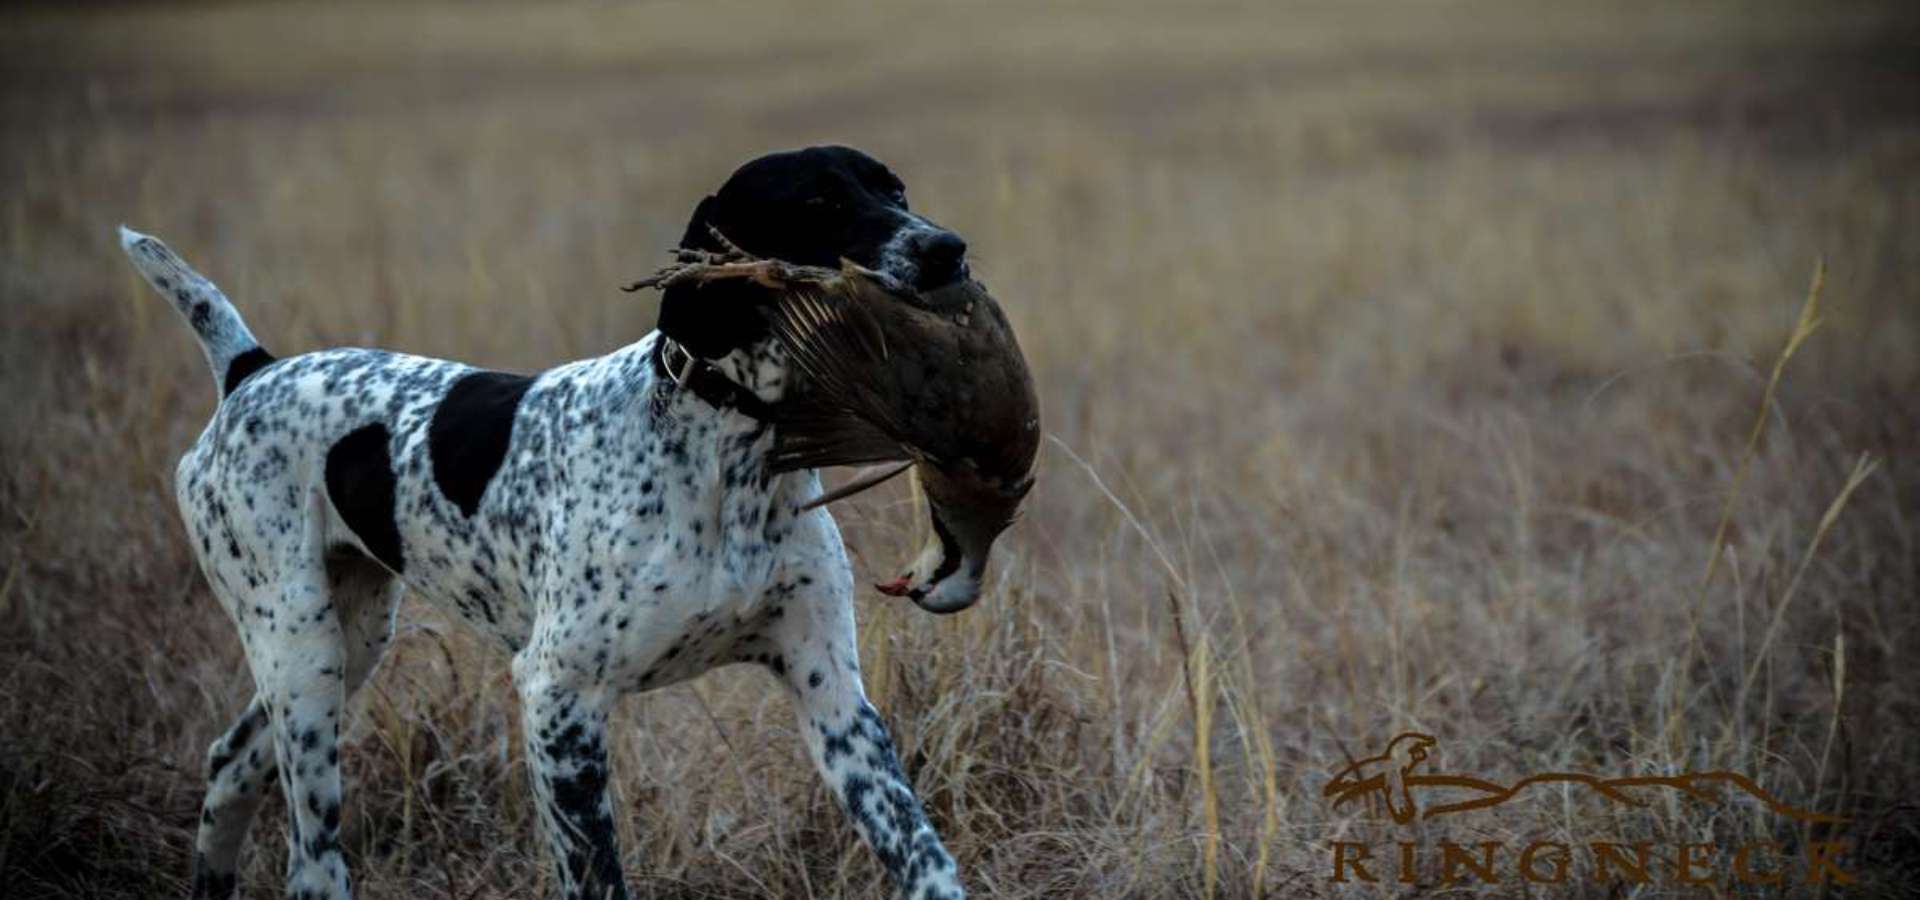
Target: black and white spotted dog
{"x": 613, "y": 526}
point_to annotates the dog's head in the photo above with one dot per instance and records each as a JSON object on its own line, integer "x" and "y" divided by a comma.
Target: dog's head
{"x": 813, "y": 207}
{"x": 950, "y": 389}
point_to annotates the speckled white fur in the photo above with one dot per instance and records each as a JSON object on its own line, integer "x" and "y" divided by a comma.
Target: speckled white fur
{"x": 631, "y": 538}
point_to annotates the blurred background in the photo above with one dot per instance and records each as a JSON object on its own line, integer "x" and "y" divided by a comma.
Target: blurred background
{"x": 1401, "y": 361}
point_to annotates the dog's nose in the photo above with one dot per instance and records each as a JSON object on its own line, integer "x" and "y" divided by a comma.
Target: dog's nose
{"x": 942, "y": 256}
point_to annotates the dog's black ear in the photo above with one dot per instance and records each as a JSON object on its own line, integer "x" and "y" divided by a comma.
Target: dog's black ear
{"x": 713, "y": 319}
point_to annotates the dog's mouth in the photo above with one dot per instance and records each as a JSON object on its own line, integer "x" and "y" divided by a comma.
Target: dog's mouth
{"x": 932, "y": 278}
{"x": 909, "y": 277}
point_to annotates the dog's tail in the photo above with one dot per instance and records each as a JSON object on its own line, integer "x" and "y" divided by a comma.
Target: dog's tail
{"x": 232, "y": 352}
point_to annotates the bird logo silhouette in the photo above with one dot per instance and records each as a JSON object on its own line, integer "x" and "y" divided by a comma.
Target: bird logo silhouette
{"x": 1390, "y": 775}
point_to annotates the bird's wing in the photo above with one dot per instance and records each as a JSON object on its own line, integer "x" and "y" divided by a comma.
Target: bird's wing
{"x": 846, "y": 412}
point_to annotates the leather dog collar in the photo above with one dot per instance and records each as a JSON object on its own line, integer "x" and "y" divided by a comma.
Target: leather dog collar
{"x": 672, "y": 362}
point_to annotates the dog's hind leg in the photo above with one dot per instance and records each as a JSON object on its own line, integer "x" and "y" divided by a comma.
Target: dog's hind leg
{"x": 241, "y": 762}
{"x": 314, "y": 628}
{"x": 299, "y": 664}
{"x": 238, "y": 767}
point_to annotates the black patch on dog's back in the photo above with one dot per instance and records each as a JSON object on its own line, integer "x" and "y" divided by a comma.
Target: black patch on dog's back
{"x": 244, "y": 365}
{"x": 360, "y": 482}
{"x": 468, "y": 437}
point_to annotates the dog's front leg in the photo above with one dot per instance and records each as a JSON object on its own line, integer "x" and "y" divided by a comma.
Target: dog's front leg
{"x": 564, "y": 724}
{"x": 850, "y": 745}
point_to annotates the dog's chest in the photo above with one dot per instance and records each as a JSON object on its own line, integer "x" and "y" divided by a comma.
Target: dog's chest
{"x": 654, "y": 586}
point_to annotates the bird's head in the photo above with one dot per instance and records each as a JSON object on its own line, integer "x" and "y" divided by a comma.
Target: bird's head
{"x": 934, "y": 378}
{"x": 967, "y": 512}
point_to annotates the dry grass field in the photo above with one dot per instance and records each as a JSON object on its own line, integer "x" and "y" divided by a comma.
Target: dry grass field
{"x": 1400, "y": 362}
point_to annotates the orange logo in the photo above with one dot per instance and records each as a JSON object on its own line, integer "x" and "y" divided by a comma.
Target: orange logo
{"x": 1398, "y": 778}
{"x": 1391, "y": 775}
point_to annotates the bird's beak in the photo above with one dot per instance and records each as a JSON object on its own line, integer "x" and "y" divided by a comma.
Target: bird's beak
{"x": 945, "y": 576}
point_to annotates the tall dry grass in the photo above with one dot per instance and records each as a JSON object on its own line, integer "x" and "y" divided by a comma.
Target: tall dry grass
{"x": 1401, "y": 364}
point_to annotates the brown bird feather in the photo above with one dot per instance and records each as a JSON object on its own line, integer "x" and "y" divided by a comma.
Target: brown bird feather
{"x": 934, "y": 379}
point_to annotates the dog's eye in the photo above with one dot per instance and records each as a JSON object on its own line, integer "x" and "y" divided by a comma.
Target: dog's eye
{"x": 827, "y": 194}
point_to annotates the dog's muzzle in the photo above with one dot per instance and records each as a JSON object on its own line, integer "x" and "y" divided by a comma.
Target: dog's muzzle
{"x": 942, "y": 257}
{"x": 923, "y": 256}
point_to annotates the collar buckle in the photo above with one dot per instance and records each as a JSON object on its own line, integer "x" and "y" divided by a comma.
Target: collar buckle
{"x": 707, "y": 382}
{"x": 668, "y": 347}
